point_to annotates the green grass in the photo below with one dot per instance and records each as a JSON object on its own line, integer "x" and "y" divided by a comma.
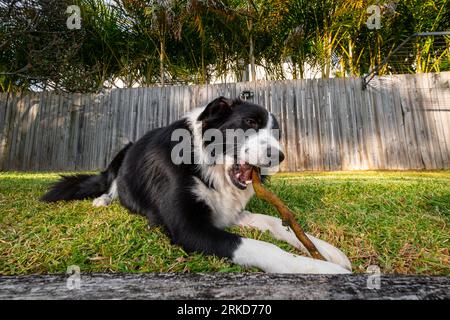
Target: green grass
{"x": 398, "y": 221}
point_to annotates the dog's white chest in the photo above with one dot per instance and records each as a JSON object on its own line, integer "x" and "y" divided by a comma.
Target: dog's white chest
{"x": 227, "y": 203}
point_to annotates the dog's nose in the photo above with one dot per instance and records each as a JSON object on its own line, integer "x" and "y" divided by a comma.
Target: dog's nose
{"x": 273, "y": 159}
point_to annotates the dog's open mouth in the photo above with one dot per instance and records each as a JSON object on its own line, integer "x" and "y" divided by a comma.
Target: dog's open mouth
{"x": 241, "y": 175}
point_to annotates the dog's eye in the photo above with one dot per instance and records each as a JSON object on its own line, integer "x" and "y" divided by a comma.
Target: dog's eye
{"x": 251, "y": 123}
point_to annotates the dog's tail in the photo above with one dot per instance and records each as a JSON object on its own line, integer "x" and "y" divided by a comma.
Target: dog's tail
{"x": 84, "y": 186}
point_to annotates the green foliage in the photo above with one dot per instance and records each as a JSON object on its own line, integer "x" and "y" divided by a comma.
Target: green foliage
{"x": 37, "y": 49}
{"x": 149, "y": 42}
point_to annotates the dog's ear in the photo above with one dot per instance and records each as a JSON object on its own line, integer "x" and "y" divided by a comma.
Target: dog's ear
{"x": 220, "y": 107}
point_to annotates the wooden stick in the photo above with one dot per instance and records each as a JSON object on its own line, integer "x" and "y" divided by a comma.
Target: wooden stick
{"x": 286, "y": 215}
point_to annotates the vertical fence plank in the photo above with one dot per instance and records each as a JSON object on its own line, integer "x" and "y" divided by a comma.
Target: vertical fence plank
{"x": 352, "y": 111}
{"x": 428, "y": 123}
{"x": 437, "y": 144}
{"x": 343, "y": 110}
{"x": 290, "y": 126}
{"x": 5, "y": 116}
{"x": 40, "y": 143}
{"x": 404, "y": 156}
{"x": 25, "y": 122}
{"x": 372, "y": 135}
{"x": 52, "y": 128}
{"x": 421, "y": 131}
{"x": 30, "y": 132}
{"x": 301, "y": 126}
{"x": 13, "y": 127}
{"x": 410, "y": 126}
{"x": 3, "y": 103}
{"x": 440, "y": 93}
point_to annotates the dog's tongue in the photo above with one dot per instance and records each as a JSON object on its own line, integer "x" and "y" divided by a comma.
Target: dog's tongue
{"x": 246, "y": 173}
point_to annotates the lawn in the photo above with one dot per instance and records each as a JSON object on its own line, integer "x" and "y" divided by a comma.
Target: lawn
{"x": 398, "y": 221}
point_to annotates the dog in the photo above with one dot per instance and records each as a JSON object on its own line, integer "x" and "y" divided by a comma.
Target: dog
{"x": 196, "y": 187}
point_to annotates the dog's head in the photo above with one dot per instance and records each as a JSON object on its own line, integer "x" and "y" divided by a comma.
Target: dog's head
{"x": 240, "y": 135}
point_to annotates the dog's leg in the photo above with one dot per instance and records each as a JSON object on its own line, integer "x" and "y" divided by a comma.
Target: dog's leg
{"x": 246, "y": 252}
{"x": 272, "y": 259}
{"x": 106, "y": 198}
{"x": 275, "y": 227}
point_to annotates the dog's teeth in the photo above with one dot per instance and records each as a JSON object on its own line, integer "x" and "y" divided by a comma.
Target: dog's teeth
{"x": 248, "y": 182}
{"x": 238, "y": 176}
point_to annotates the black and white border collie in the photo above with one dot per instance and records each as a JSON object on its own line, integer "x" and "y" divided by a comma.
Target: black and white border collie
{"x": 195, "y": 200}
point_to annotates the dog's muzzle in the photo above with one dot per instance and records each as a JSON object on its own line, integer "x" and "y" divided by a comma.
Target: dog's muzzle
{"x": 241, "y": 173}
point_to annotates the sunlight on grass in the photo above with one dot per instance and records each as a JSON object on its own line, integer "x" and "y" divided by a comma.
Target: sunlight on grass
{"x": 398, "y": 221}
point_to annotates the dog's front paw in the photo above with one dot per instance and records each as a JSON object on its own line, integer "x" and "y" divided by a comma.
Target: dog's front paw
{"x": 331, "y": 253}
{"x": 299, "y": 264}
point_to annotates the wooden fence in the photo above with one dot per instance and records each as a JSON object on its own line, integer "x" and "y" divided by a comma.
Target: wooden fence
{"x": 399, "y": 122}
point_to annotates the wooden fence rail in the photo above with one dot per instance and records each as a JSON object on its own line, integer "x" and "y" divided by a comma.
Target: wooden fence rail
{"x": 400, "y": 122}
{"x": 219, "y": 286}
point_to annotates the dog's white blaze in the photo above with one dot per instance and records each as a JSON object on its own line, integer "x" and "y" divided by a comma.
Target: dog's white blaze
{"x": 272, "y": 259}
{"x": 256, "y": 147}
{"x": 269, "y": 121}
{"x": 275, "y": 227}
{"x": 254, "y": 151}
